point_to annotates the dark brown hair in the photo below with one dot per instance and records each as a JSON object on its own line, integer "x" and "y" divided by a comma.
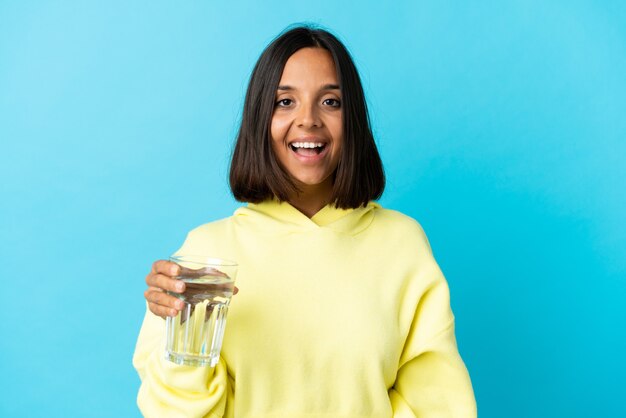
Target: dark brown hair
{"x": 256, "y": 174}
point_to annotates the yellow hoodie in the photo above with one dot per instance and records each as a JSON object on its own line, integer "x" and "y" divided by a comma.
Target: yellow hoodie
{"x": 342, "y": 315}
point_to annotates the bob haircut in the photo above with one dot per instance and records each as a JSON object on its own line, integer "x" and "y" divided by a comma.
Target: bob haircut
{"x": 255, "y": 173}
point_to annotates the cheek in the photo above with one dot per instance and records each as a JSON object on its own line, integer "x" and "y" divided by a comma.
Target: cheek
{"x": 337, "y": 155}
{"x": 336, "y": 128}
{"x": 278, "y": 129}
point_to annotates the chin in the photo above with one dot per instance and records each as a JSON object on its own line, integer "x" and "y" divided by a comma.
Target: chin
{"x": 310, "y": 182}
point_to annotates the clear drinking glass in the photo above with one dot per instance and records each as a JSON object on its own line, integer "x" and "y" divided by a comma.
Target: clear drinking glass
{"x": 194, "y": 336}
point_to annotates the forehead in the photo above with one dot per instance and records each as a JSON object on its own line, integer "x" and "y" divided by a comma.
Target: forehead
{"x": 310, "y": 65}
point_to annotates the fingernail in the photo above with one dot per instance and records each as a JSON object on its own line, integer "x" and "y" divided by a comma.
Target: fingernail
{"x": 174, "y": 270}
{"x": 180, "y": 305}
{"x": 180, "y": 286}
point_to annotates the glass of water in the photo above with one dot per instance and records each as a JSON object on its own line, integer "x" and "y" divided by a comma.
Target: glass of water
{"x": 194, "y": 336}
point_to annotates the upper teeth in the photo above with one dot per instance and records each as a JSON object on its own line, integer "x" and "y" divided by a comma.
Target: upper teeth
{"x": 307, "y": 144}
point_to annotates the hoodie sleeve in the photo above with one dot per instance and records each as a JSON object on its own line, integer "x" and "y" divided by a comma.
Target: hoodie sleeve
{"x": 171, "y": 390}
{"x": 432, "y": 380}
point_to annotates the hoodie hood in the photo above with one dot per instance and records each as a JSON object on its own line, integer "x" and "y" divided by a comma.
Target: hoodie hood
{"x": 282, "y": 217}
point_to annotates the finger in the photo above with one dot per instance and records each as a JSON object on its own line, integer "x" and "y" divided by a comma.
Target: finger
{"x": 148, "y": 293}
{"x": 164, "y": 300}
{"x": 165, "y": 282}
{"x": 165, "y": 267}
{"x": 157, "y": 265}
{"x": 162, "y": 311}
{"x": 152, "y": 288}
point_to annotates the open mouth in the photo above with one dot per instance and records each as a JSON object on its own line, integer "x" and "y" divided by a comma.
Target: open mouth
{"x": 307, "y": 149}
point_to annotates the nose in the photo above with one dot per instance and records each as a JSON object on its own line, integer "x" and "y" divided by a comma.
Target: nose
{"x": 308, "y": 116}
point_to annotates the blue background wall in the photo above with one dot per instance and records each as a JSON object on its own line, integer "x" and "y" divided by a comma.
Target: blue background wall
{"x": 501, "y": 125}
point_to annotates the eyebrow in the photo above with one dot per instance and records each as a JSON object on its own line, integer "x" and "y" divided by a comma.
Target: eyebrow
{"x": 324, "y": 87}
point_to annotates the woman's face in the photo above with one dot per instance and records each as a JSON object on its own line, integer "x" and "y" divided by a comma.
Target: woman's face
{"x": 307, "y": 129}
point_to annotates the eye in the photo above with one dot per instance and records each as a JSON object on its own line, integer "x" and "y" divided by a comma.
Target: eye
{"x": 283, "y": 102}
{"x": 332, "y": 102}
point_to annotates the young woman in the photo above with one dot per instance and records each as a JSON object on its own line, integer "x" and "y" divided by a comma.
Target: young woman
{"x": 342, "y": 310}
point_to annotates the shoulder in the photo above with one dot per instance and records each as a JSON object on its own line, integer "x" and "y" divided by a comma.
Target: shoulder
{"x": 404, "y": 228}
{"x": 211, "y": 228}
{"x": 208, "y": 238}
{"x": 406, "y": 243}
{"x": 395, "y": 218}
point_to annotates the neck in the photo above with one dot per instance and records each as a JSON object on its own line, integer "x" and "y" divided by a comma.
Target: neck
{"x": 312, "y": 199}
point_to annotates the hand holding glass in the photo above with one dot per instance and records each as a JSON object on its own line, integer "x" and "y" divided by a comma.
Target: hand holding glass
{"x": 194, "y": 336}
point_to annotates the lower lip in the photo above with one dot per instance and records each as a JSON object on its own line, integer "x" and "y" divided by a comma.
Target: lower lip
{"x": 313, "y": 158}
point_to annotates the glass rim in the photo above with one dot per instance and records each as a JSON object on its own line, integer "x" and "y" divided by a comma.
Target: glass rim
{"x": 204, "y": 260}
